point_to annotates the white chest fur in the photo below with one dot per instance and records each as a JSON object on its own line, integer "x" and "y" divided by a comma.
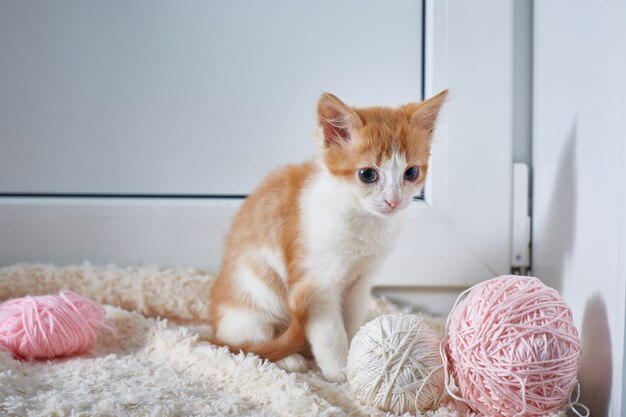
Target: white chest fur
{"x": 341, "y": 239}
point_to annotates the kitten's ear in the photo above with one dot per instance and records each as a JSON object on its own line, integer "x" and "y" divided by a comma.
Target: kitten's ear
{"x": 336, "y": 119}
{"x": 424, "y": 115}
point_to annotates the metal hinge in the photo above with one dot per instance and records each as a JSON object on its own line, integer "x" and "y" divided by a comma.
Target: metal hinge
{"x": 521, "y": 244}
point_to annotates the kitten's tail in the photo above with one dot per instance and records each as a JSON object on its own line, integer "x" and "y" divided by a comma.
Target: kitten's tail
{"x": 292, "y": 340}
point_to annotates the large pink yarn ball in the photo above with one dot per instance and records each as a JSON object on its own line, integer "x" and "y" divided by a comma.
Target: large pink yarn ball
{"x": 50, "y": 326}
{"x": 512, "y": 348}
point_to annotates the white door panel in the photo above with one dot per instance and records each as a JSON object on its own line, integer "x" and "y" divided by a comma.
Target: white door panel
{"x": 124, "y": 231}
{"x": 459, "y": 235}
{"x": 193, "y": 97}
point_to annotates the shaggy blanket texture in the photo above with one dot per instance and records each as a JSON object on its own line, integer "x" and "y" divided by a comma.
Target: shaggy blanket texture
{"x": 157, "y": 365}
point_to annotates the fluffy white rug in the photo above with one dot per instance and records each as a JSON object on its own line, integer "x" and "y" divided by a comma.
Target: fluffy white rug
{"x": 157, "y": 366}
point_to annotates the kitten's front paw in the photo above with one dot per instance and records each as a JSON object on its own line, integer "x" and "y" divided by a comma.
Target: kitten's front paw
{"x": 293, "y": 363}
{"x": 334, "y": 374}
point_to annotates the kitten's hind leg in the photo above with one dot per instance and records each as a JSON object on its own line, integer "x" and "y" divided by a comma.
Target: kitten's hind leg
{"x": 293, "y": 363}
{"x": 240, "y": 325}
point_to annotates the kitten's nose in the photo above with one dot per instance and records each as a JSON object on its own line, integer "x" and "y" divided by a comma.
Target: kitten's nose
{"x": 392, "y": 204}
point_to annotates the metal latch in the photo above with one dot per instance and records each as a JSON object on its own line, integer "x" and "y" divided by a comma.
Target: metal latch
{"x": 520, "y": 245}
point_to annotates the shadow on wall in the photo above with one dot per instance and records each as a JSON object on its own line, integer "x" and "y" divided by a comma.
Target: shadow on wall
{"x": 560, "y": 229}
{"x": 595, "y": 372}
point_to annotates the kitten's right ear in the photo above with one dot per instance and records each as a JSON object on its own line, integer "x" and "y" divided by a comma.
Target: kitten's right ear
{"x": 337, "y": 119}
{"x": 424, "y": 114}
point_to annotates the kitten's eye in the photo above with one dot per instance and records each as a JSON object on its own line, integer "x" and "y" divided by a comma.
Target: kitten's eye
{"x": 412, "y": 173}
{"x": 368, "y": 175}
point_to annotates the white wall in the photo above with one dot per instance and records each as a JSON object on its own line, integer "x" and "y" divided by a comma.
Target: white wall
{"x": 579, "y": 158}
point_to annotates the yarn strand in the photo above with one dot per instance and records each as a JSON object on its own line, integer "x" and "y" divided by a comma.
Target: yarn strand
{"x": 575, "y": 403}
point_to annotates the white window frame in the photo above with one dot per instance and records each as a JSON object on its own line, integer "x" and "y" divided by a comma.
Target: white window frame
{"x": 458, "y": 235}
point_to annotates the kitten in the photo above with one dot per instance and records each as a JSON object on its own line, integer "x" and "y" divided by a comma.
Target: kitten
{"x": 304, "y": 244}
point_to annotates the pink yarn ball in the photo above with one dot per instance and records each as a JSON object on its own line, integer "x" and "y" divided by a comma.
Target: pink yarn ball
{"x": 49, "y": 326}
{"x": 512, "y": 348}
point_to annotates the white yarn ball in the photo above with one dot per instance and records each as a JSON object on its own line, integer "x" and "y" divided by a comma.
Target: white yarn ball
{"x": 394, "y": 364}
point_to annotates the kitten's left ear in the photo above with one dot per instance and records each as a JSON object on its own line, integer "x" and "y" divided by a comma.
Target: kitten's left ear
{"x": 337, "y": 119}
{"x": 424, "y": 115}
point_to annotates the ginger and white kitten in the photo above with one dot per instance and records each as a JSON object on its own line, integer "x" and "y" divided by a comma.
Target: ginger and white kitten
{"x": 301, "y": 250}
